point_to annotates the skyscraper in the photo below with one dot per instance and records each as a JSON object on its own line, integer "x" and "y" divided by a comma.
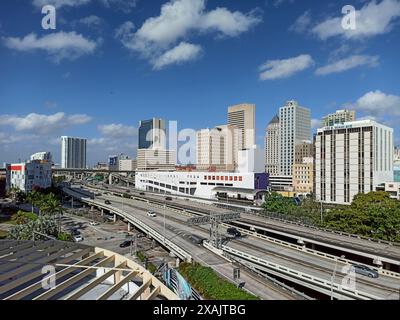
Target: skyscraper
{"x": 73, "y": 153}
{"x": 352, "y": 158}
{"x": 294, "y": 128}
{"x": 152, "y": 134}
{"x": 243, "y": 116}
{"x": 217, "y": 148}
{"x": 272, "y": 147}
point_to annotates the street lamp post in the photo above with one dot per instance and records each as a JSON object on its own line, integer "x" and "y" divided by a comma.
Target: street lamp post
{"x": 321, "y": 212}
{"x": 165, "y": 208}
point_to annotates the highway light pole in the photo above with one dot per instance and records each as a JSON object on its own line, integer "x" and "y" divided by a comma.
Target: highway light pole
{"x": 165, "y": 208}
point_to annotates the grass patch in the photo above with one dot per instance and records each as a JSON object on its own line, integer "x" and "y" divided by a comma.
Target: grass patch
{"x": 210, "y": 285}
{"x": 3, "y": 234}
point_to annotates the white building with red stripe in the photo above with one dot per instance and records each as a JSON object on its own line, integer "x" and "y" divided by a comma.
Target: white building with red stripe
{"x": 28, "y": 175}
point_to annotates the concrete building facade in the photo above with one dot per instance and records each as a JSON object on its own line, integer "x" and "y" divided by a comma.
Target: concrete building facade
{"x": 156, "y": 159}
{"x": 294, "y": 128}
{"x": 352, "y": 158}
{"x": 29, "y": 175}
{"x": 152, "y": 134}
{"x": 243, "y": 116}
{"x": 339, "y": 117}
{"x": 272, "y": 147}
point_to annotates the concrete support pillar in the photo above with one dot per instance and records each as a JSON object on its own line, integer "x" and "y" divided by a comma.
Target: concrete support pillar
{"x": 102, "y": 212}
{"x": 127, "y": 184}
{"x": 177, "y": 262}
{"x": 91, "y": 208}
{"x": 115, "y": 217}
{"x": 110, "y": 179}
{"x": 129, "y": 226}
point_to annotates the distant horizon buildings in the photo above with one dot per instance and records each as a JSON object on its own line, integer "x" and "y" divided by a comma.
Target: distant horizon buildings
{"x": 43, "y": 156}
{"x": 73, "y": 153}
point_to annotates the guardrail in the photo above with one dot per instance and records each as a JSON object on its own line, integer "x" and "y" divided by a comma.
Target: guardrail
{"x": 311, "y": 251}
{"x": 303, "y": 277}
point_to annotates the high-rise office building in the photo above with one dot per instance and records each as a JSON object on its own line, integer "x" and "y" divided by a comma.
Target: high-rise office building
{"x": 272, "y": 147}
{"x": 339, "y": 117}
{"x": 243, "y": 116}
{"x": 217, "y": 149}
{"x": 305, "y": 149}
{"x": 294, "y": 128}
{"x": 152, "y": 134}
{"x": 352, "y": 158}
{"x": 73, "y": 153}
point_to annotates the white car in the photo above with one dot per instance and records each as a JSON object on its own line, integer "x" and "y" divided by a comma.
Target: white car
{"x": 93, "y": 223}
{"x": 78, "y": 238}
{"x": 151, "y": 214}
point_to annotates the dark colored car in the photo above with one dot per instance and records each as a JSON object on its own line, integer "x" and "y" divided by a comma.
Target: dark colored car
{"x": 75, "y": 232}
{"x": 168, "y": 198}
{"x": 142, "y": 193}
{"x": 107, "y": 202}
{"x": 125, "y": 244}
{"x": 365, "y": 271}
{"x": 234, "y": 232}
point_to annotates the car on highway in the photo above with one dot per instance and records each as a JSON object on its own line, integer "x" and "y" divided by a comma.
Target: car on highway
{"x": 93, "y": 223}
{"x": 234, "y": 232}
{"x": 151, "y": 214}
{"x": 168, "y": 198}
{"x": 365, "y": 271}
{"x": 107, "y": 202}
{"x": 125, "y": 244}
{"x": 78, "y": 238}
{"x": 75, "y": 232}
{"x": 142, "y": 193}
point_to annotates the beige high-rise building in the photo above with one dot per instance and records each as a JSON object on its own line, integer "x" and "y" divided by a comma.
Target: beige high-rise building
{"x": 156, "y": 159}
{"x": 303, "y": 175}
{"x": 339, "y": 117}
{"x": 272, "y": 147}
{"x": 243, "y": 116}
{"x": 217, "y": 149}
{"x": 303, "y": 150}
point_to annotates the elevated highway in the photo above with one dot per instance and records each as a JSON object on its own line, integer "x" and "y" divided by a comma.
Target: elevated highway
{"x": 381, "y": 254}
{"x": 178, "y": 242}
{"x": 307, "y": 268}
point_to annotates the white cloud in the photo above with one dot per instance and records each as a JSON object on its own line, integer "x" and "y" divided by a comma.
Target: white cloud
{"x": 177, "y": 20}
{"x": 348, "y": 63}
{"x": 372, "y": 19}
{"x": 43, "y": 124}
{"x": 278, "y": 69}
{"x": 378, "y": 104}
{"x": 60, "y": 45}
{"x": 181, "y": 53}
{"x": 302, "y": 23}
{"x": 118, "y": 131}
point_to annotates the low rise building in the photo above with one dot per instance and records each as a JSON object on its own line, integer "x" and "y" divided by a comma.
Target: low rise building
{"x": 29, "y": 175}
{"x": 393, "y": 188}
{"x": 127, "y": 165}
{"x": 303, "y": 174}
{"x": 207, "y": 185}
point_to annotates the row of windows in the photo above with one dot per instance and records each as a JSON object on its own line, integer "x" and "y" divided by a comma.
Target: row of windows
{"x": 224, "y": 178}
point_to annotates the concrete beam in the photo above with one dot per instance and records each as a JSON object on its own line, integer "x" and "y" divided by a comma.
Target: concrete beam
{"x": 118, "y": 285}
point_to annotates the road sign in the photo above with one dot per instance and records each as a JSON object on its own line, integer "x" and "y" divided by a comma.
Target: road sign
{"x": 221, "y": 218}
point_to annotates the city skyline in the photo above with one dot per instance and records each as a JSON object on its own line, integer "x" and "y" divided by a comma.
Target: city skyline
{"x": 337, "y": 71}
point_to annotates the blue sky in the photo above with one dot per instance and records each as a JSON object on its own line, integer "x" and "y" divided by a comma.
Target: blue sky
{"x": 110, "y": 63}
